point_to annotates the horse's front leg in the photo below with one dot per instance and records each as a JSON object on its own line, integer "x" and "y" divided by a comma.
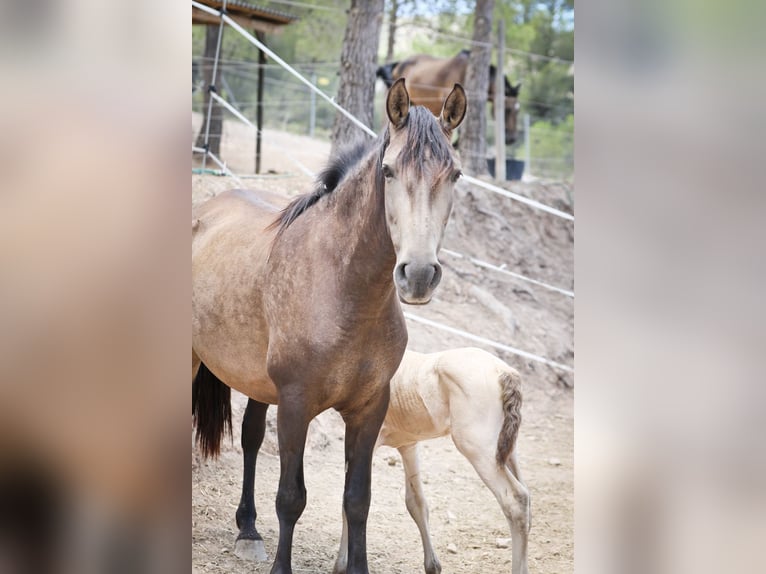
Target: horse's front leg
{"x": 249, "y": 545}
{"x": 362, "y": 428}
{"x": 292, "y": 425}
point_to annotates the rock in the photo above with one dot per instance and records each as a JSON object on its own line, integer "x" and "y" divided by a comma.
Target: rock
{"x": 451, "y": 548}
{"x": 451, "y": 516}
{"x": 502, "y": 542}
{"x": 554, "y": 461}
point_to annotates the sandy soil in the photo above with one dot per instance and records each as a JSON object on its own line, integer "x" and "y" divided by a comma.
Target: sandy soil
{"x": 495, "y": 306}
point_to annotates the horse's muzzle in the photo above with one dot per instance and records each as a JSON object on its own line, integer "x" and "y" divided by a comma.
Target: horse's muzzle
{"x": 415, "y": 282}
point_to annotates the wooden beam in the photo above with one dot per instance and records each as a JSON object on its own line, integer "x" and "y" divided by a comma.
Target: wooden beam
{"x": 200, "y": 17}
{"x": 259, "y": 110}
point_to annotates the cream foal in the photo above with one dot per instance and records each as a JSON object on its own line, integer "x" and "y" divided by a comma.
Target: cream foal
{"x": 475, "y": 397}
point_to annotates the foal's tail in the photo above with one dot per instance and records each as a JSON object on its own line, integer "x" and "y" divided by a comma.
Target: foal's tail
{"x": 510, "y": 382}
{"x": 211, "y": 411}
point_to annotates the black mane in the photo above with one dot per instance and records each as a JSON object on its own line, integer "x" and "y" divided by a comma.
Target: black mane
{"x": 327, "y": 181}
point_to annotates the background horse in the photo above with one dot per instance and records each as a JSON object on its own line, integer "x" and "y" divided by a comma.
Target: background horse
{"x": 475, "y": 397}
{"x": 430, "y": 79}
{"x": 301, "y": 308}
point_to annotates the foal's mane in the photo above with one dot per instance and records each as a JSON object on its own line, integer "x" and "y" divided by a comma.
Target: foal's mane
{"x": 423, "y": 134}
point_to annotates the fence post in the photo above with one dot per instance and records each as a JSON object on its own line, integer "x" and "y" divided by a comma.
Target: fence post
{"x": 500, "y": 104}
{"x": 527, "y": 144}
{"x": 259, "y": 104}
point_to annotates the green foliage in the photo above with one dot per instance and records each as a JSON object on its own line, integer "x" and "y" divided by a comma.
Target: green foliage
{"x": 553, "y": 149}
{"x": 548, "y": 93}
{"x": 540, "y": 27}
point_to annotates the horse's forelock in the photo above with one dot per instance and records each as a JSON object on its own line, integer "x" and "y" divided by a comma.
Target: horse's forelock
{"x": 424, "y": 134}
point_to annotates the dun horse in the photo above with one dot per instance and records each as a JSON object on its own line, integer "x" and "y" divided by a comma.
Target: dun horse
{"x": 430, "y": 79}
{"x": 475, "y": 397}
{"x": 301, "y": 307}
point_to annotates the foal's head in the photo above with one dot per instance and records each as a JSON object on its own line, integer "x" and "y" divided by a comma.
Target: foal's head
{"x": 420, "y": 171}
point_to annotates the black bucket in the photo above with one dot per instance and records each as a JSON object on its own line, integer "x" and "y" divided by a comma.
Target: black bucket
{"x": 514, "y": 168}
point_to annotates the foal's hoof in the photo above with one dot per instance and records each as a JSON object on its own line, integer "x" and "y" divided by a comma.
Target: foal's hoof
{"x": 253, "y": 550}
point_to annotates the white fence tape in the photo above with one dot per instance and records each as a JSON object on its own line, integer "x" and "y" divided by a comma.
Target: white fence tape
{"x": 253, "y": 40}
{"x": 517, "y": 197}
{"x": 489, "y": 342}
{"x": 493, "y": 267}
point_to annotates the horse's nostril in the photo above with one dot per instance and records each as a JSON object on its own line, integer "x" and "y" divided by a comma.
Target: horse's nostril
{"x": 401, "y": 274}
{"x": 437, "y": 276}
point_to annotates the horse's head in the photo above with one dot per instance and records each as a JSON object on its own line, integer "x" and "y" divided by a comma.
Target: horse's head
{"x": 420, "y": 171}
{"x": 511, "y": 104}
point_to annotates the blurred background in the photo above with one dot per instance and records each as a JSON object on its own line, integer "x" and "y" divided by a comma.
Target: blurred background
{"x": 94, "y": 449}
{"x": 539, "y": 37}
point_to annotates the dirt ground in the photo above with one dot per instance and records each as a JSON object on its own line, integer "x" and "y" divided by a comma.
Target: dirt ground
{"x": 463, "y": 512}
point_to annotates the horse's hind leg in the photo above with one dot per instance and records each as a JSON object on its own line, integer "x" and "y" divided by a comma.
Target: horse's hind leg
{"x": 249, "y": 545}
{"x": 510, "y": 492}
{"x": 417, "y": 505}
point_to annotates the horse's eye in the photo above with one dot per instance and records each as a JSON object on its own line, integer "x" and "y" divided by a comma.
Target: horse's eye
{"x": 456, "y": 175}
{"x": 387, "y": 173}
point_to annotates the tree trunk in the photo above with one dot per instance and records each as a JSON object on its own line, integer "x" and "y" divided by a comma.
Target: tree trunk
{"x": 216, "y": 118}
{"x": 358, "y": 62}
{"x": 392, "y": 15}
{"x": 473, "y": 144}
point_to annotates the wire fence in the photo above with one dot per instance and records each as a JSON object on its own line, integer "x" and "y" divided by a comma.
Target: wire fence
{"x": 547, "y": 150}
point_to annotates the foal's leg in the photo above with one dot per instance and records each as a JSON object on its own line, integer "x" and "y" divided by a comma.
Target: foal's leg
{"x": 249, "y": 545}
{"x": 361, "y": 433}
{"x": 341, "y": 562}
{"x": 417, "y": 505}
{"x": 507, "y": 487}
{"x": 292, "y": 426}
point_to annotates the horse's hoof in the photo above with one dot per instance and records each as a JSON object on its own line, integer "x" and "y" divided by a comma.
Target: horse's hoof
{"x": 253, "y": 550}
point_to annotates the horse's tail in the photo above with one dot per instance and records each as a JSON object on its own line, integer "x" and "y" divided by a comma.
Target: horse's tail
{"x": 386, "y": 73}
{"x": 211, "y": 411}
{"x": 510, "y": 383}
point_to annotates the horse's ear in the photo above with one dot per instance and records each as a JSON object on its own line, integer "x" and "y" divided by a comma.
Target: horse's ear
{"x": 454, "y": 108}
{"x": 398, "y": 103}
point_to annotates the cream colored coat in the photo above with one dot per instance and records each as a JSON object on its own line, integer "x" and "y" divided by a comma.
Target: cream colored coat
{"x": 475, "y": 397}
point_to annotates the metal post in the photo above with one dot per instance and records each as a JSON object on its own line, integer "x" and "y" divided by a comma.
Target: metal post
{"x": 259, "y": 104}
{"x": 212, "y": 85}
{"x": 313, "y": 105}
{"x": 500, "y": 104}
{"x": 527, "y": 144}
